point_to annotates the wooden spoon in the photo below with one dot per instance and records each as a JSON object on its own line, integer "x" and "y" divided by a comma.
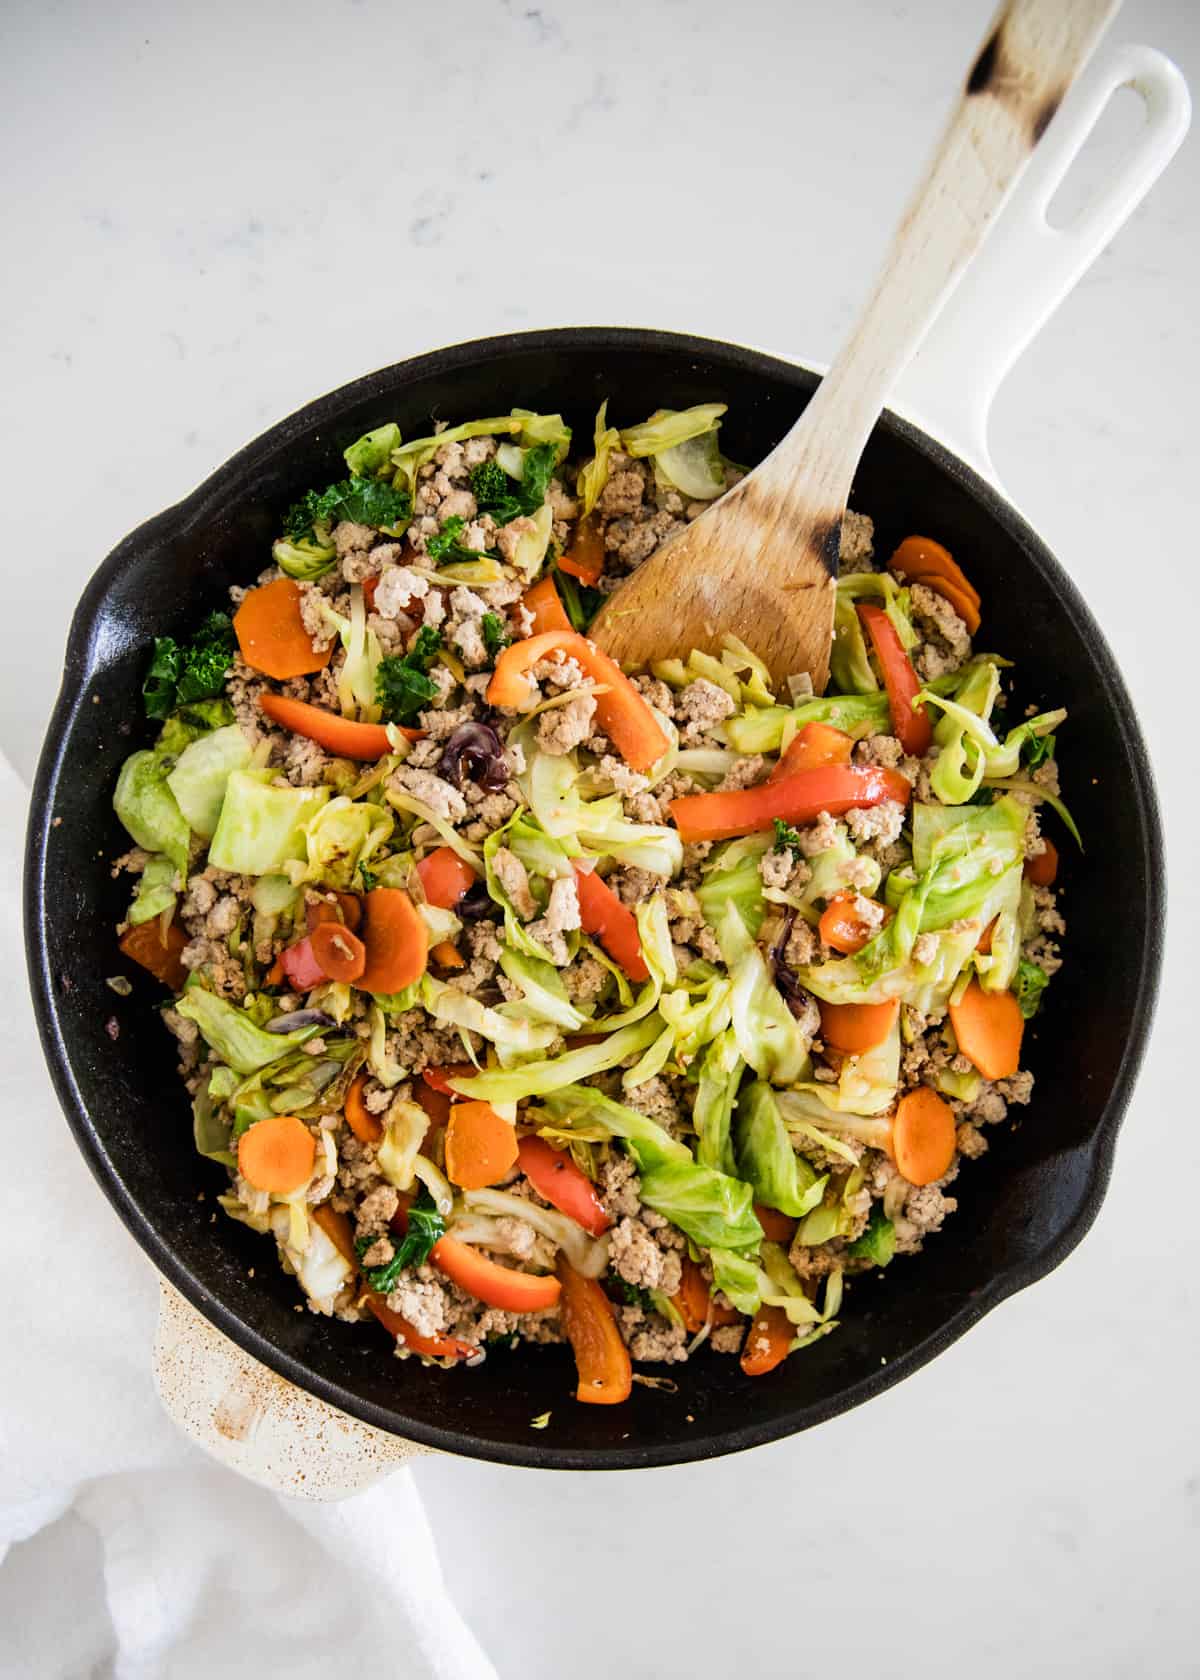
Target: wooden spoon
{"x": 761, "y": 562}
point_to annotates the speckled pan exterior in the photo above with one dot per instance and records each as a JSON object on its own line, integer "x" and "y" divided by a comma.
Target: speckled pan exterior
{"x": 1021, "y": 1209}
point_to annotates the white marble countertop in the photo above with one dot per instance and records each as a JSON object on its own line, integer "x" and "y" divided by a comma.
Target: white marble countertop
{"x": 214, "y": 213}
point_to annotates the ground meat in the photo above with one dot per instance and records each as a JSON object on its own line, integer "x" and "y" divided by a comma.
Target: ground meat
{"x": 585, "y": 979}
{"x": 701, "y": 705}
{"x": 970, "y": 1141}
{"x": 562, "y": 728}
{"x": 350, "y": 538}
{"x": 655, "y": 1099}
{"x": 925, "y": 948}
{"x": 561, "y": 918}
{"x": 656, "y": 694}
{"x": 948, "y": 643}
{"x": 776, "y": 869}
{"x": 803, "y": 946}
{"x": 632, "y": 537}
{"x": 881, "y": 822}
{"x": 633, "y": 884}
{"x": 431, "y": 790}
{"x": 513, "y": 877}
{"x": 619, "y": 1185}
{"x": 422, "y": 1299}
{"x": 225, "y": 973}
{"x": 640, "y": 1260}
{"x": 509, "y": 537}
{"x": 857, "y": 544}
{"x": 304, "y": 762}
{"x": 925, "y": 1209}
{"x": 613, "y": 772}
{"x": 819, "y": 836}
{"x": 625, "y": 488}
{"x": 375, "y": 1211}
{"x": 651, "y": 1339}
{"x": 727, "y": 1338}
{"x": 744, "y": 773}
{"x": 880, "y": 749}
{"x": 398, "y": 589}
{"x": 440, "y": 724}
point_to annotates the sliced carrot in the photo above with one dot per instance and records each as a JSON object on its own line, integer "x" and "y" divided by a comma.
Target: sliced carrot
{"x": 798, "y": 799}
{"x": 921, "y": 557}
{"x": 777, "y": 1227}
{"x": 695, "y": 1301}
{"x": 338, "y": 735}
{"x": 601, "y": 1357}
{"x": 445, "y": 877}
{"x": 611, "y": 923}
{"x": 555, "y": 1176}
{"x": 435, "y": 1103}
{"x": 962, "y": 603}
{"x": 545, "y": 607}
{"x": 481, "y": 1146}
{"x": 277, "y": 1154}
{"x": 369, "y": 586}
{"x": 855, "y": 1028}
{"x": 989, "y": 1027}
{"x": 1042, "y": 870}
{"x": 767, "y": 1341}
{"x": 447, "y": 955}
{"x": 498, "y": 1286}
{"x": 160, "y": 954}
{"x": 586, "y": 557}
{"x": 844, "y": 927}
{"x": 910, "y": 724}
{"x": 271, "y": 633}
{"x": 621, "y": 712}
{"x": 984, "y": 943}
{"x": 923, "y": 1136}
{"x": 347, "y": 910}
{"x": 276, "y": 974}
{"x": 341, "y": 954}
{"x": 397, "y": 944}
{"x": 367, "y": 1127}
{"x": 814, "y": 745}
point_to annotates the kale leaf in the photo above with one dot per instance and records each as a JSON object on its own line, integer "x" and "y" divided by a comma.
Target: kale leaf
{"x": 787, "y": 839}
{"x": 495, "y": 634}
{"x": 366, "y": 501}
{"x": 1031, "y": 983}
{"x": 425, "y": 1226}
{"x": 580, "y": 603}
{"x": 508, "y": 498}
{"x": 402, "y": 685}
{"x": 182, "y": 674}
{"x": 444, "y": 546}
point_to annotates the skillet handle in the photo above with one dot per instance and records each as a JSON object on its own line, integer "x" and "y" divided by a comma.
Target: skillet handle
{"x": 256, "y": 1422}
{"x": 1027, "y": 267}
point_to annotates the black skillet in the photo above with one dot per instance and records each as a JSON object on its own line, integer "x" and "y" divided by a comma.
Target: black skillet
{"x": 1021, "y": 1209}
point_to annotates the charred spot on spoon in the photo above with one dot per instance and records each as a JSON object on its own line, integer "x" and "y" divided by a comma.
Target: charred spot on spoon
{"x": 983, "y": 71}
{"x": 1045, "y": 116}
{"x": 827, "y": 541}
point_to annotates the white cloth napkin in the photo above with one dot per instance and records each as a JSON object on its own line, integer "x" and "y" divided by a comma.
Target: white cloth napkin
{"x": 124, "y": 1550}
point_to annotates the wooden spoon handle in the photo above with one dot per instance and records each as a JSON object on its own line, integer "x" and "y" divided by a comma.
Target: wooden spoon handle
{"x": 1033, "y": 51}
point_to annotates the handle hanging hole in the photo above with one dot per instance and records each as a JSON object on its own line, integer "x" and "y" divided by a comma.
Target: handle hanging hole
{"x": 1109, "y": 142}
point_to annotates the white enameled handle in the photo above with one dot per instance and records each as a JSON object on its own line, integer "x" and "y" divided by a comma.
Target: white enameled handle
{"x": 1027, "y": 267}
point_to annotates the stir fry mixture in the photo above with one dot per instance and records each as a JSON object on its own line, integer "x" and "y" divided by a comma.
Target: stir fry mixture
{"x": 527, "y": 999}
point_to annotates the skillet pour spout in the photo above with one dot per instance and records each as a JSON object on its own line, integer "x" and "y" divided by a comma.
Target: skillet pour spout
{"x": 1024, "y": 1207}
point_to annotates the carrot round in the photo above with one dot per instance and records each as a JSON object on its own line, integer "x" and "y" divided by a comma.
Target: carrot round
{"x": 921, "y": 557}
{"x": 814, "y": 745}
{"x": 496, "y": 1285}
{"x": 338, "y": 735}
{"x": 962, "y": 603}
{"x": 798, "y": 799}
{"x": 767, "y": 1341}
{"x": 912, "y": 726}
{"x": 158, "y": 953}
{"x": 923, "y": 1136}
{"x": 545, "y": 607}
{"x": 695, "y": 1302}
{"x": 601, "y": 1357}
{"x": 989, "y": 1027}
{"x": 367, "y": 1127}
{"x": 277, "y": 1154}
{"x": 555, "y": 1177}
{"x": 397, "y": 944}
{"x": 445, "y": 877}
{"x": 611, "y": 923}
{"x": 855, "y": 1028}
{"x": 621, "y": 712}
{"x": 348, "y": 909}
{"x": 481, "y": 1146}
{"x": 777, "y": 1227}
{"x": 585, "y": 560}
{"x": 340, "y": 953}
{"x": 843, "y": 927}
{"x": 1042, "y": 870}
{"x": 447, "y": 955}
{"x": 271, "y": 633}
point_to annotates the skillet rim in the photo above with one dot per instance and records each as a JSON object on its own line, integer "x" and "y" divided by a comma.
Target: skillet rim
{"x": 77, "y": 671}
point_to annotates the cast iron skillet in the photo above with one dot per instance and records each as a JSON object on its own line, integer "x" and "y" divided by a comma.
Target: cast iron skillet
{"x": 1022, "y": 1208}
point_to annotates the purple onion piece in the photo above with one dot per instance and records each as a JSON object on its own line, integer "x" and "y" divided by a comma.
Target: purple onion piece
{"x": 474, "y": 752}
{"x": 474, "y": 904}
{"x": 300, "y": 1018}
{"x": 786, "y": 982}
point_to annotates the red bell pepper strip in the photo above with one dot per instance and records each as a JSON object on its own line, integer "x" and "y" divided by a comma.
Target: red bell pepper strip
{"x": 816, "y": 744}
{"x": 611, "y": 923}
{"x": 555, "y": 1176}
{"x": 797, "y": 799}
{"x": 300, "y": 964}
{"x": 913, "y": 728}
{"x": 601, "y": 1357}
